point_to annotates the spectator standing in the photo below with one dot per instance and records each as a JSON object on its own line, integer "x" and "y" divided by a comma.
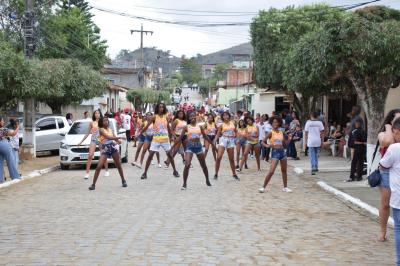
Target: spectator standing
{"x": 360, "y": 150}
{"x": 355, "y": 116}
{"x": 264, "y": 128}
{"x": 314, "y": 137}
{"x": 391, "y": 162}
{"x": 86, "y": 115}
{"x": 69, "y": 118}
{"x": 6, "y": 151}
{"x": 126, "y": 123}
{"x": 385, "y": 139}
{"x": 14, "y": 141}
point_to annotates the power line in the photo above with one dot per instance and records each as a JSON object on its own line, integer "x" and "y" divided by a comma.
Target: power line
{"x": 203, "y": 24}
{"x": 198, "y": 11}
{"x": 198, "y": 15}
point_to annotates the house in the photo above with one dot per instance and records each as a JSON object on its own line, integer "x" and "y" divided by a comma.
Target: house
{"x": 128, "y": 77}
{"x": 207, "y": 70}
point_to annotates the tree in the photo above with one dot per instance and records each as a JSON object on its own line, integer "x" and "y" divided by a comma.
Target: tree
{"x": 331, "y": 50}
{"x": 358, "y": 50}
{"x": 191, "y": 70}
{"x": 142, "y": 98}
{"x": 70, "y": 33}
{"x": 78, "y": 83}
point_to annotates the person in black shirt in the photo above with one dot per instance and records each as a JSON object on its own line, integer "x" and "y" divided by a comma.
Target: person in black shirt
{"x": 360, "y": 150}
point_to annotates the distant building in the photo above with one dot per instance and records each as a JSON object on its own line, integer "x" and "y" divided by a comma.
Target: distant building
{"x": 207, "y": 70}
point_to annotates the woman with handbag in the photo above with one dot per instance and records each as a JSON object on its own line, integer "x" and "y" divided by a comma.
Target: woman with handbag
{"x": 385, "y": 139}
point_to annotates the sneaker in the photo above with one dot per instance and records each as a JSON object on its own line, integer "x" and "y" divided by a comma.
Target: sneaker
{"x": 183, "y": 188}
{"x": 238, "y": 170}
{"x": 236, "y": 177}
{"x": 92, "y": 187}
{"x": 139, "y": 166}
{"x": 133, "y": 164}
{"x": 251, "y": 156}
{"x": 287, "y": 190}
{"x": 245, "y": 166}
{"x": 237, "y": 167}
{"x": 106, "y": 173}
{"x": 261, "y": 190}
{"x": 176, "y": 174}
{"x": 124, "y": 184}
{"x": 144, "y": 176}
{"x": 159, "y": 166}
{"x": 86, "y": 176}
{"x": 215, "y": 177}
{"x": 313, "y": 172}
{"x": 153, "y": 163}
{"x": 208, "y": 183}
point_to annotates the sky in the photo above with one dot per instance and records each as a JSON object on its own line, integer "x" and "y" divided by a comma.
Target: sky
{"x": 183, "y": 40}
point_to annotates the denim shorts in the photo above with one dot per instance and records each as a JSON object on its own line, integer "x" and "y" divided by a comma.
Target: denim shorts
{"x": 253, "y": 145}
{"x": 278, "y": 154}
{"x": 242, "y": 141}
{"x": 227, "y": 142}
{"x": 385, "y": 179}
{"x": 156, "y": 146}
{"x": 141, "y": 138}
{"x": 148, "y": 138}
{"x": 109, "y": 149}
{"x": 194, "y": 147}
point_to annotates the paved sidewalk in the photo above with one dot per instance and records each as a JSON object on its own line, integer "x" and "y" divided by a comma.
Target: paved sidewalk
{"x": 44, "y": 160}
{"x": 334, "y": 171}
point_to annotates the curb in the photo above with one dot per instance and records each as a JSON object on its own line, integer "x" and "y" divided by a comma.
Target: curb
{"x": 32, "y": 174}
{"x": 347, "y": 199}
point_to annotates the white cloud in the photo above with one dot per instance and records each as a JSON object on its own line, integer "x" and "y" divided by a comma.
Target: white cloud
{"x": 179, "y": 39}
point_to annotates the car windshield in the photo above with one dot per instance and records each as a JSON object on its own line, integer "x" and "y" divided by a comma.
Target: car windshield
{"x": 81, "y": 128}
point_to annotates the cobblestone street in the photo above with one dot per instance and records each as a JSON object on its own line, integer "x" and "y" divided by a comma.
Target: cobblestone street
{"x": 54, "y": 219}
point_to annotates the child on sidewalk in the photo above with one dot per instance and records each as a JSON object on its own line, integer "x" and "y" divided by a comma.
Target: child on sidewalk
{"x": 391, "y": 161}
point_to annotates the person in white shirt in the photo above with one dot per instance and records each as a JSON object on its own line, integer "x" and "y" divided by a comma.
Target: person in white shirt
{"x": 391, "y": 161}
{"x": 314, "y": 136}
{"x": 267, "y": 127}
{"x": 126, "y": 123}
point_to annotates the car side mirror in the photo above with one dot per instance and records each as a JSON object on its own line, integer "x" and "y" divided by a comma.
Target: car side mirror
{"x": 37, "y": 129}
{"x": 62, "y": 134}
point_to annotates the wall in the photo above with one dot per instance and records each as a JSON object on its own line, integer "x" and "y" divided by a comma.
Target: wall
{"x": 393, "y": 99}
{"x": 126, "y": 80}
{"x": 226, "y": 96}
{"x": 264, "y": 103}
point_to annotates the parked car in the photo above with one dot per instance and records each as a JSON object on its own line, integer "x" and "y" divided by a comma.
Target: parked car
{"x": 71, "y": 154}
{"x": 48, "y": 130}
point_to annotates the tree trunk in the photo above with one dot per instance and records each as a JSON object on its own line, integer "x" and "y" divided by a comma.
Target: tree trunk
{"x": 372, "y": 97}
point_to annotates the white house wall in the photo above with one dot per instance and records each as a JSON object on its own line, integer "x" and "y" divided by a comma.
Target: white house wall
{"x": 265, "y": 103}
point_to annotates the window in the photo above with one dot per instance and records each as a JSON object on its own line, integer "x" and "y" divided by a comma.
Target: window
{"x": 47, "y": 124}
{"x": 60, "y": 123}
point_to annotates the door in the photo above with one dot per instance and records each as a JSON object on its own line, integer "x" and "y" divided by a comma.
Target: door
{"x": 46, "y": 134}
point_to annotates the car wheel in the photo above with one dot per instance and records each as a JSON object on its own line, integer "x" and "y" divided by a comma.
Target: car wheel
{"x": 64, "y": 167}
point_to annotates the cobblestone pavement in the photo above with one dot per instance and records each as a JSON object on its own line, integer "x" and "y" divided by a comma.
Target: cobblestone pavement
{"x": 54, "y": 219}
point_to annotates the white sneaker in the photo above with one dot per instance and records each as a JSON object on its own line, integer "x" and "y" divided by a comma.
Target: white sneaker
{"x": 86, "y": 176}
{"x": 153, "y": 163}
{"x": 159, "y": 166}
{"x": 287, "y": 190}
{"x": 183, "y": 188}
{"x": 106, "y": 173}
{"x": 261, "y": 190}
{"x": 139, "y": 166}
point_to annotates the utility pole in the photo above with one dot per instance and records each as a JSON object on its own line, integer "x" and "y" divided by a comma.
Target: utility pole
{"x": 141, "y": 47}
{"x": 29, "y": 141}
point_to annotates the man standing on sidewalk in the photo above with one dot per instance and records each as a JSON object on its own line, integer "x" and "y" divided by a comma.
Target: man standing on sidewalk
{"x": 314, "y": 137}
{"x": 360, "y": 152}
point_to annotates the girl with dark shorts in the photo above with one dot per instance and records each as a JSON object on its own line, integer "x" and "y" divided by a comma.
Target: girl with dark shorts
{"x": 241, "y": 139}
{"x": 277, "y": 140}
{"x": 194, "y": 146}
{"x": 109, "y": 149}
{"x": 210, "y": 129}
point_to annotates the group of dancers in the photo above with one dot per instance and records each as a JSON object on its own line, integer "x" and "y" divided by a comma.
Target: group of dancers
{"x": 183, "y": 132}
